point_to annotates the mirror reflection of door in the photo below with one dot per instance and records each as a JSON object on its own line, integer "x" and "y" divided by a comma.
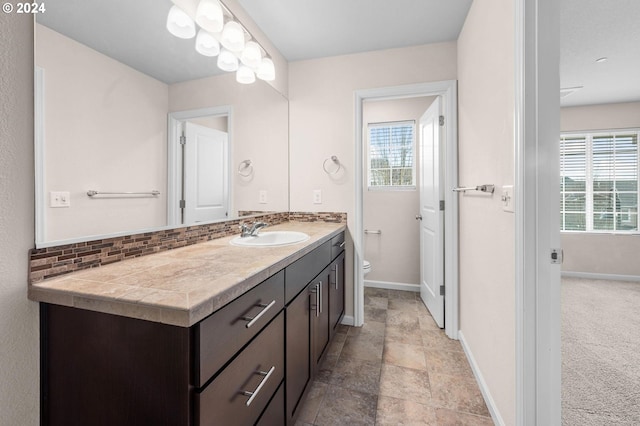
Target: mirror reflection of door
{"x": 205, "y": 177}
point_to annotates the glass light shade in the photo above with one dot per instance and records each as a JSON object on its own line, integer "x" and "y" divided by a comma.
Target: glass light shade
{"x": 209, "y": 15}
{"x": 266, "y": 70}
{"x": 206, "y": 44}
{"x": 245, "y": 75}
{"x": 179, "y": 24}
{"x": 227, "y": 61}
{"x": 232, "y": 36}
{"x": 251, "y": 55}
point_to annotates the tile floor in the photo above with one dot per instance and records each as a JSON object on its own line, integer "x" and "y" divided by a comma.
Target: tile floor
{"x": 398, "y": 369}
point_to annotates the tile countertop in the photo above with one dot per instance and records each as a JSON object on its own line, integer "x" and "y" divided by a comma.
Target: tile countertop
{"x": 182, "y": 286}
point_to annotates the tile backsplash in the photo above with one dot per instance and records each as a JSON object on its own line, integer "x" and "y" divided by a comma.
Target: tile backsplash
{"x": 59, "y": 260}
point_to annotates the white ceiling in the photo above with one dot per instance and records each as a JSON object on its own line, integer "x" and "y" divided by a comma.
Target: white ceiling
{"x": 305, "y": 29}
{"x": 134, "y": 33}
{"x": 593, "y": 29}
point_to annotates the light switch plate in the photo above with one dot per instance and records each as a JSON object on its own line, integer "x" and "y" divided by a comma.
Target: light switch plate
{"x": 60, "y": 199}
{"x": 508, "y": 199}
{"x": 262, "y": 197}
{"x": 317, "y": 196}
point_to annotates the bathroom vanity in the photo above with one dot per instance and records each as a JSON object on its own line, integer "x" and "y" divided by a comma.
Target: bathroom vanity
{"x": 248, "y": 361}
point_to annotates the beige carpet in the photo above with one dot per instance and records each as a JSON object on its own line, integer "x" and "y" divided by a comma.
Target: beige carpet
{"x": 600, "y": 352}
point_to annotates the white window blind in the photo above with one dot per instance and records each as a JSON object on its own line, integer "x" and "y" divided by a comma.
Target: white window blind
{"x": 391, "y": 158}
{"x": 599, "y": 181}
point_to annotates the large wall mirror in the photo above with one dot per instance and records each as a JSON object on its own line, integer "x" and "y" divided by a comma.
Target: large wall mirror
{"x": 116, "y": 94}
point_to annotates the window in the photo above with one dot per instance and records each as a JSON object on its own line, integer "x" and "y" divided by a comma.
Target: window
{"x": 599, "y": 181}
{"x": 391, "y": 155}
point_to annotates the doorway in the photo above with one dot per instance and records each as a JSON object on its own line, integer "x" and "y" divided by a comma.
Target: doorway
{"x": 447, "y": 91}
{"x": 403, "y": 222}
{"x": 198, "y": 176}
{"x": 391, "y": 192}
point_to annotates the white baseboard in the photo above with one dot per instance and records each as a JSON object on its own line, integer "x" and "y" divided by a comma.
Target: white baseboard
{"x": 594, "y": 276}
{"x": 347, "y": 320}
{"x": 488, "y": 399}
{"x": 392, "y": 286}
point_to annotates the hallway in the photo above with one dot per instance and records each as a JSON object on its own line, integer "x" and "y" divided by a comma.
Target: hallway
{"x": 399, "y": 368}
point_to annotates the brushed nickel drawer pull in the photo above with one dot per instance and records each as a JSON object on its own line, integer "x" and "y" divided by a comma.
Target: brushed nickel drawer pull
{"x": 253, "y": 394}
{"x": 320, "y": 297}
{"x": 342, "y": 244}
{"x": 336, "y": 271}
{"x": 252, "y": 320}
{"x": 315, "y": 290}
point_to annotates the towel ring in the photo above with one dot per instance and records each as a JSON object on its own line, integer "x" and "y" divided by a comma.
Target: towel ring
{"x": 247, "y": 167}
{"x": 335, "y": 161}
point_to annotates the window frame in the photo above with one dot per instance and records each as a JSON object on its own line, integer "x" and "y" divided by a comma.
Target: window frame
{"x": 589, "y": 204}
{"x": 414, "y": 167}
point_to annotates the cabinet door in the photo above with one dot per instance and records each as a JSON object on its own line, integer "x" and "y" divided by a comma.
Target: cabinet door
{"x": 336, "y": 294}
{"x": 298, "y": 348}
{"x": 321, "y": 315}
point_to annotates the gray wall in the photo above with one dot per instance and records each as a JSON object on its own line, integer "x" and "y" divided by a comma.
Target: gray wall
{"x": 19, "y": 366}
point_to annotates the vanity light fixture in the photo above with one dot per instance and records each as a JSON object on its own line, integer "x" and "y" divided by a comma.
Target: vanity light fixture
{"x": 219, "y": 27}
{"x": 266, "y": 70}
{"x": 227, "y": 61}
{"x": 251, "y": 55}
{"x": 245, "y": 75}
{"x": 180, "y": 24}
{"x": 209, "y": 15}
{"x": 206, "y": 44}
{"x": 232, "y": 36}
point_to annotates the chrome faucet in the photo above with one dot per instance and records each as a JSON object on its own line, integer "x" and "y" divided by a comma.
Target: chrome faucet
{"x": 251, "y": 230}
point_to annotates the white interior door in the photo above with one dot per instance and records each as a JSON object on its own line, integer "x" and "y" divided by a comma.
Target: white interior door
{"x": 432, "y": 218}
{"x": 206, "y": 174}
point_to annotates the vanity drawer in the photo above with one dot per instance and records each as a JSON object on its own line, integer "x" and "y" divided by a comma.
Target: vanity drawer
{"x": 259, "y": 369}
{"x": 305, "y": 269}
{"x": 337, "y": 245}
{"x": 274, "y": 414}
{"x": 222, "y": 334}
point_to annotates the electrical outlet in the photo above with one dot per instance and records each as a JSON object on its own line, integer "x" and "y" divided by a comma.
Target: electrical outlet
{"x": 508, "y": 199}
{"x": 60, "y": 199}
{"x": 317, "y": 196}
{"x": 262, "y": 197}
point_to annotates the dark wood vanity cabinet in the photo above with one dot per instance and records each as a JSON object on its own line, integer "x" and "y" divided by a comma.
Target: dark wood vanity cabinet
{"x": 101, "y": 369}
{"x": 228, "y": 369}
{"x": 298, "y": 349}
{"x": 336, "y": 293}
{"x": 250, "y": 362}
{"x": 320, "y": 316}
{"x": 311, "y": 317}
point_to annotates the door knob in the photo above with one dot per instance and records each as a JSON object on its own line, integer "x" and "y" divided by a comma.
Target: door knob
{"x": 418, "y": 217}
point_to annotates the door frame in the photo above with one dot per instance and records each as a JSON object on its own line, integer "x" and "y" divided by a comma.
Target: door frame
{"x": 537, "y": 281}
{"x": 448, "y": 91}
{"x": 174, "y": 156}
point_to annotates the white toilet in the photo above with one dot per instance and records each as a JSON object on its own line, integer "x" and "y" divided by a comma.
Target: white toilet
{"x": 366, "y": 267}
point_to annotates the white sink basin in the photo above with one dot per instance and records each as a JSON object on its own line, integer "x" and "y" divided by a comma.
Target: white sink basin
{"x": 271, "y": 239}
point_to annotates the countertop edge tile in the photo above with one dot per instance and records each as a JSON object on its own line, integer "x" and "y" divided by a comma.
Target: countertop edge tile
{"x": 215, "y": 292}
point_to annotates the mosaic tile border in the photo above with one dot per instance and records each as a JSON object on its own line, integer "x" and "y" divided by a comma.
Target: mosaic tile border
{"x": 54, "y": 261}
